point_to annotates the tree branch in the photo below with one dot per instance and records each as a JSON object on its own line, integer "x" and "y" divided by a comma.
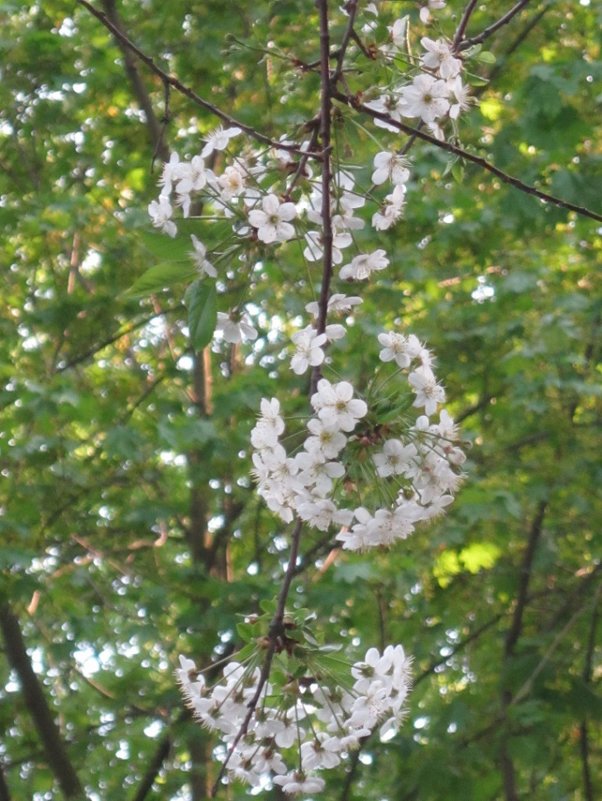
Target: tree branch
{"x": 154, "y": 766}
{"x": 347, "y": 37}
{"x": 156, "y": 131}
{"x": 274, "y": 634}
{"x": 506, "y": 762}
{"x": 588, "y": 786}
{"x": 462, "y": 25}
{"x": 4, "y": 790}
{"x": 356, "y": 104}
{"x": 491, "y": 29}
{"x": 186, "y": 90}
{"x": 325, "y": 125}
{"x": 525, "y": 576}
{"x": 35, "y": 701}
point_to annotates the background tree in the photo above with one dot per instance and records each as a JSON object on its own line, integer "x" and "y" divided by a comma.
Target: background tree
{"x": 130, "y": 532}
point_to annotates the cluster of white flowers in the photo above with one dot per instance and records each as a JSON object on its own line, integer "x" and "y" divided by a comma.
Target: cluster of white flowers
{"x": 307, "y": 723}
{"x": 247, "y": 190}
{"x": 434, "y": 93}
{"x": 417, "y": 471}
{"x": 369, "y": 469}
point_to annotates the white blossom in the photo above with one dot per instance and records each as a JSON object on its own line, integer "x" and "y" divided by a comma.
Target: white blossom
{"x": 391, "y": 211}
{"x": 426, "y": 97}
{"x": 219, "y": 140}
{"x": 272, "y": 220}
{"x": 235, "y": 331}
{"x": 390, "y": 166}
{"x": 202, "y": 264}
{"x": 308, "y": 351}
{"x": 439, "y": 56}
{"x": 160, "y": 212}
{"x": 362, "y": 266}
{"x": 336, "y": 405}
{"x": 428, "y": 393}
{"x": 393, "y": 458}
{"x": 336, "y": 302}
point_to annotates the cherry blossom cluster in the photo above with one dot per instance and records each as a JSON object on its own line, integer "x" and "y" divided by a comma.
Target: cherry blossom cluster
{"x": 413, "y": 461}
{"x": 435, "y": 92}
{"x": 306, "y": 725}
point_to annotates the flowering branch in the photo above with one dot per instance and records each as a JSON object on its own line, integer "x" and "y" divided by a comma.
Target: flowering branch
{"x": 355, "y": 103}
{"x": 186, "y": 90}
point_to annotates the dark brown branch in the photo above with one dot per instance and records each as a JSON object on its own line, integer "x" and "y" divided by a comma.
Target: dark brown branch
{"x": 351, "y": 9}
{"x": 517, "y": 42}
{"x": 155, "y": 129}
{"x": 491, "y": 29}
{"x": 584, "y": 750}
{"x": 351, "y": 774}
{"x": 474, "y": 635}
{"x": 4, "y": 790}
{"x": 37, "y": 705}
{"x": 154, "y": 766}
{"x": 525, "y": 577}
{"x": 506, "y": 762}
{"x": 274, "y": 635}
{"x": 462, "y": 25}
{"x": 352, "y": 101}
{"x": 83, "y": 357}
{"x": 186, "y": 90}
{"x": 325, "y": 132}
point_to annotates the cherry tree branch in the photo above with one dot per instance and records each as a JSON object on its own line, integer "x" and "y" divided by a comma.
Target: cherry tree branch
{"x": 325, "y": 133}
{"x": 355, "y": 103}
{"x": 4, "y": 790}
{"x": 462, "y": 25}
{"x": 156, "y": 130}
{"x": 584, "y": 745}
{"x": 351, "y": 8}
{"x": 170, "y": 80}
{"x": 464, "y": 44}
{"x": 58, "y": 759}
{"x": 275, "y": 633}
{"x": 276, "y": 629}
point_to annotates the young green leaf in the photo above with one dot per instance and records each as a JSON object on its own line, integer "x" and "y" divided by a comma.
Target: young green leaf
{"x": 201, "y": 301}
{"x": 161, "y": 276}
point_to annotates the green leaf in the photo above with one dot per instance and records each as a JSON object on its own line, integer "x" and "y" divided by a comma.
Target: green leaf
{"x": 166, "y": 248}
{"x": 486, "y": 57}
{"x": 162, "y": 275}
{"x": 201, "y": 300}
{"x": 246, "y": 631}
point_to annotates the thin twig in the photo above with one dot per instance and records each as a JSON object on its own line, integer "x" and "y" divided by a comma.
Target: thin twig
{"x": 461, "y": 29}
{"x": 347, "y": 37}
